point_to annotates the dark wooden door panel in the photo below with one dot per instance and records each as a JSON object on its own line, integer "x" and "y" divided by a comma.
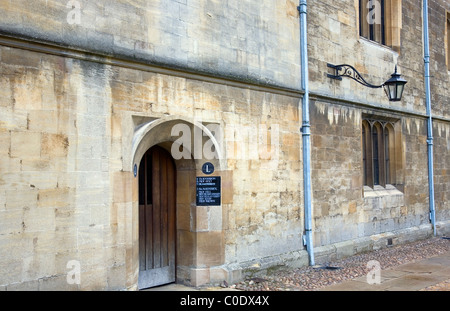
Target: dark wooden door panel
{"x": 156, "y": 177}
{"x": 157, "y": 239}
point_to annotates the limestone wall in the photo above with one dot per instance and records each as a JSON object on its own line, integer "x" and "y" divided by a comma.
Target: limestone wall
{"x": 68, "y": 125}
{"x": 253, "y": 41}
{"x": 441, "y": 172}
{"x": 57, "y": 173}
{"x": 343, "y": 208}
{"x": 335, "y": 39}
{"x": 67, "y": 188}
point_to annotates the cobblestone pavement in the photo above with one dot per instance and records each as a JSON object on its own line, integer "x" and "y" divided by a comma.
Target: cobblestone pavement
{"x": 315, "y": 278}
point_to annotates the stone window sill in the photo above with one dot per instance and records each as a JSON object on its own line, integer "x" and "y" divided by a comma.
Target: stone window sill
{"x": 379, "y": 191}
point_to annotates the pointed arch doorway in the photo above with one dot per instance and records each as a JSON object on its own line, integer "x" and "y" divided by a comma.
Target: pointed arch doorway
{"x": 157, "y": 218}
{"x": 199, "y": 243}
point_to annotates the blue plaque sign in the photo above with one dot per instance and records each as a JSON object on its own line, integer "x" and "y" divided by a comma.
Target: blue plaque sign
{"x": 208, "y": 168}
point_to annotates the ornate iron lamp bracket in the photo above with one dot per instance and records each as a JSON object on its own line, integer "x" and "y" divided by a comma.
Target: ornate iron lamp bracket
{"x": 350, "y": 71}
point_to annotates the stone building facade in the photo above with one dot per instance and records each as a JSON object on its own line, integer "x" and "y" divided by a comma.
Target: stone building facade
{"x": 98, "y": 98}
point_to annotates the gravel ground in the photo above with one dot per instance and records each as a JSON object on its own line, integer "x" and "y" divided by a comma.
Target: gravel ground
{"x": 443, "y": 286}
{"x": 312, "y": 278}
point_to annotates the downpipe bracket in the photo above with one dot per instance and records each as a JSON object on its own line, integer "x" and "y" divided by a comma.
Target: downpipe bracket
{"x": 302, "y": 7}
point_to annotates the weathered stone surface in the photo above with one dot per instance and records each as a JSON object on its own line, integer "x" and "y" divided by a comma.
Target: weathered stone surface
{"x": 223, "y": 38}
{"x": 68, "y": 136}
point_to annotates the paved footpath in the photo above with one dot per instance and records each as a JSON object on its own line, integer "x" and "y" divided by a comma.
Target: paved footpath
{"x": 427, "y": 274}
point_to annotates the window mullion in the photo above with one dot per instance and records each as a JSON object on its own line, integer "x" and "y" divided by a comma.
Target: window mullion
{"x": 381, "y": 157}
{"x": 369, "y": 155}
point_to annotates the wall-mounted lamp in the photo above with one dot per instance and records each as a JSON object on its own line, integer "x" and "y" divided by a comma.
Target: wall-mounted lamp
{"x": 393, "y": 87}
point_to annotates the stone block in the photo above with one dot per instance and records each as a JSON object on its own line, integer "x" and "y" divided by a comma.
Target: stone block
{"x": 183, "y": 275}
{"x": 10, "y": 271}
{"x": 185, "y": 193}
{"x": 116, "y": 125}
{"x": 25, "y": 144}
{"x": 11, "y": 221}
{"x": 236, "y": 275}
{"x": 345, "y": 249}
{"x": 22, "y": 58}
{"x": 227, "y": 186}
{"x": 99, "y": 214}
{"x": 64, "y": 217}
{"x": 352, "y": 207}
{"x": 116, "y": 276}
{"x": 90, "y": 237}
{"x": 200, "y": 277}
{"x": 218, "y": 275}
{"x": 201, "y": 216}
{"x": 325, "y": 254}
{"x": 89, "y": 147}
{"x": 38, "y": 266}
{"x": 38, "y": 164}
{"x": 27, "y": 97}
{"x": 56, "y": 198}
{"x": 43, "y": 121}
{"x": 113, "y": 235}
{"x": 21, "y": 199}
{"x": 345, "y": 18}
{"x": 57, "y": 283}
{"x": 5, "y": 141}
{"x": 5, "y": 92}
{"x": 443, "y": 228}
{"x": 122, "y": 187}
{"x": 185, "y": 248}
{"x": 16, "y": 246}
{"x": 2, "y": 200}
{"x": 363, "y": 245}
{"x": 215, "y": 218}
{"x": 209, "y": 248}
{"x": 39, "y": 219}
{"x": 183, "y": 217}
{"x": 24, "y": 286}
{"x": 91, "y": 125}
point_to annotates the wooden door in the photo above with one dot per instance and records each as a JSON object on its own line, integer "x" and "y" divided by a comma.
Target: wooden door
{"x": 157, "y": 240}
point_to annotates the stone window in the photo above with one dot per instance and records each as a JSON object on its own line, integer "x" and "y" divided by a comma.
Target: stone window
{"x": 378, "y": 152}
{"x": 381, "y": 21}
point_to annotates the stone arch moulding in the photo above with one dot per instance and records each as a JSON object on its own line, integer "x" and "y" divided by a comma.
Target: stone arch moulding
{"x": 159, "y": 130}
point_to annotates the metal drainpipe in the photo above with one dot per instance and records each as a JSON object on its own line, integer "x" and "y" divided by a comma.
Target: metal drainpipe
{"x": 306, "y": 132}
{"x": 430, "y": 119}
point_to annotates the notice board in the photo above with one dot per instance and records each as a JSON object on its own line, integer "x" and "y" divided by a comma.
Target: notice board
{"x": 208, "y": 191}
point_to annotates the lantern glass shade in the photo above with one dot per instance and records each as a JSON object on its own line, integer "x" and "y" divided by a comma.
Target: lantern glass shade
{"x": 394, "y": 86}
